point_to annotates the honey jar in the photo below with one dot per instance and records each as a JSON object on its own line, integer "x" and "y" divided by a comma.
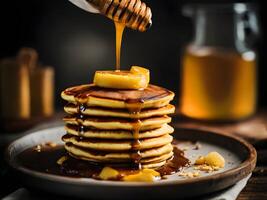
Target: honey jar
{"x": 219, "y": 68}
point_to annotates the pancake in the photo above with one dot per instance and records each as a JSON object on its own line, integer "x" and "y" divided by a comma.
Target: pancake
{"x": 153, "y": 165}
{"x": 150, "y": 155}
{"x": 117, "y": 123}
{"x": 116, "y": 145}
{"x": 91, "y": 95}
{"x": 145, "y": 165}
{"x": 159, "y": 158}
{"x": 118, "y": 134}
{"x": 123, "y": 113}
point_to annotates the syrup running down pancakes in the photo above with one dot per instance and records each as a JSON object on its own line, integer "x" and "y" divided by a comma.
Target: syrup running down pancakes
{"x": 119, "y": 126}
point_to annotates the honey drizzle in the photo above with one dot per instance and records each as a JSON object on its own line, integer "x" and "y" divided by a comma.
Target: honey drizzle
{"x": 135, "y": 107}
{"x": 81, "y": 107}
{"x": 136, "y": 144}
{"x": 119, "y": 32}
{"x": 80, "y": 118}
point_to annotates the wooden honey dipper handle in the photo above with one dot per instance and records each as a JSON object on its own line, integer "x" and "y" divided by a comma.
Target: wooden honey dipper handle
{"x": 133, "y": 13}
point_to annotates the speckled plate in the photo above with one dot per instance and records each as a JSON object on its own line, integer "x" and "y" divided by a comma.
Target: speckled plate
{"x": 240, "y": 159}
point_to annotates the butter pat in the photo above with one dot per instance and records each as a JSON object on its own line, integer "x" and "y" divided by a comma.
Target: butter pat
{"x": 145, "y": 175}
{"x": 212, "y": 159}
{"x": 108, "y": 173}
{"x": 215, "y": 159}
{"x": 136, "y": 78}
{"x": 61, "y": 160}
{"x": 141, "y": 70}
{"x": 200, "y": 160}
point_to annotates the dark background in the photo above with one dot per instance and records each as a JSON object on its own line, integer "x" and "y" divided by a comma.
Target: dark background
{"x": 77, "y": 43}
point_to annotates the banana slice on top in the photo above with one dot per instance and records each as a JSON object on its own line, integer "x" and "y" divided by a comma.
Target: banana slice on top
{"x": 136, "y": 78}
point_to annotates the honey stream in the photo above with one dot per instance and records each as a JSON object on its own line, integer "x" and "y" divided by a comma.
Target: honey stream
{"x": 133, "y": 107}
{"x": 119, "y": 33}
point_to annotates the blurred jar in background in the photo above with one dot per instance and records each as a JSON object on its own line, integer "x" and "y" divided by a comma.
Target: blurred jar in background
{"x": 14, "y": 90}
{"x": 41, "y": 83}
{"x": 26, "y": 91}
{"x": 219, "y": 73}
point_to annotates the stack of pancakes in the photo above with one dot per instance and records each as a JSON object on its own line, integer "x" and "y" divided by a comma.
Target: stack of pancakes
{"x": 119, "y": 126}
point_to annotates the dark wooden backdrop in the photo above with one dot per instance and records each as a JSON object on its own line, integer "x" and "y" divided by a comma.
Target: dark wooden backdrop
{"x": 77, "y": 43}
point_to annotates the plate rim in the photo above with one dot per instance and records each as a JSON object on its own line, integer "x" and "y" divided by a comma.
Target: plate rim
{"x": 247, "y": 165}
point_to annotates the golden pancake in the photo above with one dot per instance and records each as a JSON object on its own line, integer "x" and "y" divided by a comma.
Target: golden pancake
{"x": 118, "y": 134}
{"x": 153, "y": 165}
{"x": 90, "y": 95}
{"x": 160, "y": 158}
{"x": 147, "y": 165}
{"x": 150, "y": 155}
{"x": 146, "y": 162}
{"x": 116, "y": 145}
{"x": 96, "y": 111}
{"x": 117, "y": 123}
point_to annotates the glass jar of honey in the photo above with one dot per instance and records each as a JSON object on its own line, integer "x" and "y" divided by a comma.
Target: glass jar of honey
{"x": 219, "y": 70}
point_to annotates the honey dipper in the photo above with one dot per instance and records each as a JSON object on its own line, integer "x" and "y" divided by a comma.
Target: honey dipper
{"x": 133, "y": 13}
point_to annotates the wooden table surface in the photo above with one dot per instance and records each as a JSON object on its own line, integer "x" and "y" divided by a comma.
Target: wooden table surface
{"x": 253, "y": 130}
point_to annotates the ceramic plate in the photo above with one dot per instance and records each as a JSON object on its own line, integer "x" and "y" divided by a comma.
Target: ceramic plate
{"x": 240, "y": 159}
